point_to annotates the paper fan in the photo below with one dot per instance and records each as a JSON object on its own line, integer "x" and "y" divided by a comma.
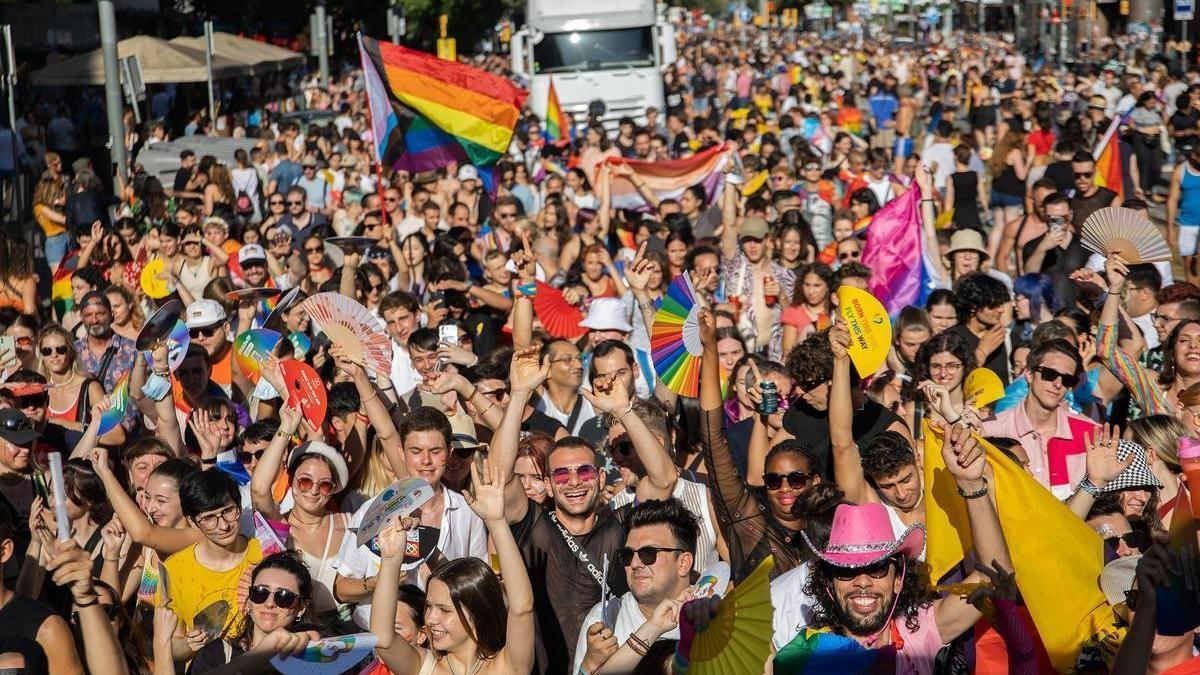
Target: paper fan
{"x": 354, "y": 327}
{"x": 1117, "y": 230}
{"x": 559, "y": 317}
{"x": 675, "y": 339}
{"x": 738, "y": 640}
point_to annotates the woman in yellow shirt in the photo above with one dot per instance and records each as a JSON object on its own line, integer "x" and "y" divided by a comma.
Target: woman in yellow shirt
{"x": 49, "y": 198}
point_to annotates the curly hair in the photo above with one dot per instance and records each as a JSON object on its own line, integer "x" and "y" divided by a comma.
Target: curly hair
{"x": 827, "y": 613}
{"x": 944, "y": 341}
{"x": 811, "y": 362}
{"x": 885, "y": 455}
{"x": 978, "y": 291}
{"x": 1167, "y": 375}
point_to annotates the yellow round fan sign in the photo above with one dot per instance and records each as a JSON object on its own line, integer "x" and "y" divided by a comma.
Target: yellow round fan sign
{"x": 153, "y": 281}
{"x": 869, "y": 326}
{"x": 982, "y": 387}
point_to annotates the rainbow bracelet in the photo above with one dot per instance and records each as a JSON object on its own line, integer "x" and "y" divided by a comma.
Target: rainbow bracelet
{"x": 528, "y": 290}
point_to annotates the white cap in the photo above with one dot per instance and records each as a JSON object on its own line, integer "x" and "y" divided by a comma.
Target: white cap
{"x": 607, "y": 314}
{"x": 251, "y": 252}
{"x": 468, "y": 172}
{"x": 341, "y": 473}
{"x": 204, "y": 313}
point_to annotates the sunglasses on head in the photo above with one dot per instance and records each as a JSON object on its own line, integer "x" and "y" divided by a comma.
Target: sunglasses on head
{"x": 307, "y": 485}
{"x": 61, "y": 350}
{"x": 203, "y": 332}
{"x": 1050, "y": 375}
{"x": 647, "y": 554}
{"x": 877, "y": 571}
{"x": 562, "y": 475}
{"x": 284, "y": 598}
{"x": 796, "y": 480}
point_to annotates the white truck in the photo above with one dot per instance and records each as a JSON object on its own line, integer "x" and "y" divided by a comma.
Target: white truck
{"x": 614, "y": 51}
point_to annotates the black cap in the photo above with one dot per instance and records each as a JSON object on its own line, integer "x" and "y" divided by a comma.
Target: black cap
{"x": 16, "y": 428}
{"x": 95, "y": 296}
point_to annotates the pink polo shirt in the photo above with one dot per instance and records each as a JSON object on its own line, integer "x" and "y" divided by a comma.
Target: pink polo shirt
{"x": 1058, "y": 462}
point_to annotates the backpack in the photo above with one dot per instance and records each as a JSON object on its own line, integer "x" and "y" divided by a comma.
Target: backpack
{"x": 242, "y": 205}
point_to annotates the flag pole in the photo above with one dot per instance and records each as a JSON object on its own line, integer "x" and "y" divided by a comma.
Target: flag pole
{"x": 362, "y": 55}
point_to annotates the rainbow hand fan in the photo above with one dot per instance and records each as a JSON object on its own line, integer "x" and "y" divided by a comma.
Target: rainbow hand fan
{"x": 118, "y": 403}
{"x": 353, "y": 326}
{"x": 675, "y": 339}
{"x": 738, "y": 640}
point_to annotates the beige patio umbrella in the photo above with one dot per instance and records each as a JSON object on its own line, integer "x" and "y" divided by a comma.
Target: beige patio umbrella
{"x": 257, "y": 56}
{"x": 161, "y": 62}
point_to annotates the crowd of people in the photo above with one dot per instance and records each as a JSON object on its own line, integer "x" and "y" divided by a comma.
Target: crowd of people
{"x": 576, "y": 497}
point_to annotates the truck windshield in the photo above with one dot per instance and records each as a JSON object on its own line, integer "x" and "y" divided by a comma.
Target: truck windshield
{"x": 595, "y": 50}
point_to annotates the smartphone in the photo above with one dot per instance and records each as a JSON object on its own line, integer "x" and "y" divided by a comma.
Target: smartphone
{"x": 448, "y": 333}
{"x": 39, "y": 486}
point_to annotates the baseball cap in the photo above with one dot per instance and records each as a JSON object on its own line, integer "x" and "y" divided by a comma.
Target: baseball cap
{"x": 251, "y": 253}
{"x": 468, "y": 172}
{"x": 16, "y": 428}
{"x": 204, "y": 313}
{"x": 97, "y": 297}
{"x": 754, "y": 228}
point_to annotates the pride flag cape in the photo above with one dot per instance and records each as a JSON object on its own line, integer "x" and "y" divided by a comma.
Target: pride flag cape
{"x": 559, "y": 127}
{"x": 1043, "y": 537}
{"x": 670, "y": 178}
{"x": 902, "y": 270}
{"x": 1109, "y": 171}
{"x": 427, "y": 113}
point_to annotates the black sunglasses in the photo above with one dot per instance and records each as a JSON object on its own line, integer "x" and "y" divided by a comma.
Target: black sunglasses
{"x": 877, "y": 571}
{"x": 203, "y": 332}
{"x": 1133, "y": 539}
{"x": 796, "y": 480}
{"x": 647, "y": 554}
{"x": 1084, "y": 174}
{"x": 284, "y": 598}
{"x": 1050, "y": 375}
{"x": 468, "y": 453}
{"x": 245, "y": 456}
{"x": 33, "y": 401}
{"x": 61, "y": 350}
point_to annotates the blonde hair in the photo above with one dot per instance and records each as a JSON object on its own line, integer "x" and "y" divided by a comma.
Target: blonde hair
{"x": 137, "y": 318}
{"x": 1160, "y": 435}
{"x": 55, "y": 329}
{"x": 374, "y": 476}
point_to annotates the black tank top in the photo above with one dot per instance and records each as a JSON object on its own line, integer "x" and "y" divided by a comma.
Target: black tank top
{"x": 1007, "y": 183}
{"x": 20, "y": 621}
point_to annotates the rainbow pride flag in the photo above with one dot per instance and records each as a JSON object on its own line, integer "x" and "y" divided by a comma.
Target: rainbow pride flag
{"x": 670, "y": 178}
{"x": 427, "y": 113}
{"x": 1109, "y": 171}
{"x": 559, "y": 127}
{"x": 60, "y": 287}
{"x": 824, "y": 652}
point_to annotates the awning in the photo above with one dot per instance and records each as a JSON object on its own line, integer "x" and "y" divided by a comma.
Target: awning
{"x": 256, "y": 56}
{"x": 161, "y": 62}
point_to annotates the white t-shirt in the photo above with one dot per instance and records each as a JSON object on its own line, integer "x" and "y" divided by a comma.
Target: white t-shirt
{"x": 462, "y": 535}
{"x": 629, "y": 619}
{"x": 793, "y": 608}
{"x": 943, "y": 155}
{"x": 586, "y": 412}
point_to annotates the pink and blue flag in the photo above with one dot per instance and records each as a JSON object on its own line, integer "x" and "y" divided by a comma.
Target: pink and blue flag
{"x": 902, "y": 271}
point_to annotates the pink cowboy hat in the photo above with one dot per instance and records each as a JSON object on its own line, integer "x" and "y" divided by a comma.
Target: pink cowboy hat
{"x": 862, "y": 536}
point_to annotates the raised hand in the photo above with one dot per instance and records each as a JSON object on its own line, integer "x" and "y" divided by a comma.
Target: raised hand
{"x": 201, "y": 424}
{"x": 527, "y": 373}
{"x": 839, "y": 341}
{"x": 666, "y": 615}
{"x": 115, "y": 538}
{"x": 166, "y": 622}
{"x": 344, "y": 364}
{"x": 71, "y": 567}
{"x": 486, "y": 497}
{"x": 393, "y": 538}
{"x": 445, "y": 381}
{"x": 638, "y": 273}
{"x": 1115, "y": 272}
{"x": 1002, "y": 586}
{"x": 608, "y": 394}
{"x": 601, "y": 645}
{"x": 451, "y": 353}
{"x": 708, "y": 329}
{"x": 1103, "y": 465}
{"x": 963, "y": 456}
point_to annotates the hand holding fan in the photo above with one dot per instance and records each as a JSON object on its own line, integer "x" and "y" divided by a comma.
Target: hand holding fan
{"x": 1124, "y": 232}
{"x": 559, "y": 317}
{"x": 869, "y": 326}
{"x": 738, "y": 639}
{"x": 354, "y": 327}
{"x": 675, "y": 339}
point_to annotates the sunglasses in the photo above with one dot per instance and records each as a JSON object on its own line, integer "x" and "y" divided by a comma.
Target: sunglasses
{"x": 849, "y": 255}
{"x": 1133, "y": 539}
{"x": 306, "y": 484}
{"x": 468, "y": 453}
{"x": 245, "y": 456}
{"x": 1050, "y": 375}
{"x": 562, "y": 475}
{"x": 647, "y": 554}
{"x": 308, "y": 249}
{"x": 284, "y": 599}
{"x": 276, "y": 202}
{"x": 61, "y": 350}
{"x": 1084, "y": 174}
{"x": 877, "y": 571}
{"x": 111, "y": 612}
{"x": 291, "y": 203}
{"x": 33, "y": 401}
{"x": 796, "y": 480}
{"x": 203, "y": 332}
{"x": 506, "y": 215}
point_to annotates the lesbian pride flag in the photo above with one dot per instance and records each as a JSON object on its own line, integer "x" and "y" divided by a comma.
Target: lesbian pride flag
{"x": 668, "y": 179}
{"x": 902, "y": 270}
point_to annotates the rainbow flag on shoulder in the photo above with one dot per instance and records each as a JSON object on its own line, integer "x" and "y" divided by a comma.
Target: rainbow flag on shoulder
{"x": 427, "y": 113}
{"x": 1110, "y": 173}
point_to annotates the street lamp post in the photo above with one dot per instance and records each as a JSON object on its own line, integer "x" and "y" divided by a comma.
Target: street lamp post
{"x": 112, "y": 85}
